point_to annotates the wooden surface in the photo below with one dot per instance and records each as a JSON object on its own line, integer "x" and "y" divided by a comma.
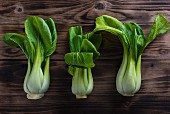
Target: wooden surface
{"x": 154, "y": 95}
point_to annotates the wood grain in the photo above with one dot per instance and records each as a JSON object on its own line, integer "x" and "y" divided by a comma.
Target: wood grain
{"x": 79, "y": 11}
{"x": 154, "y": 95}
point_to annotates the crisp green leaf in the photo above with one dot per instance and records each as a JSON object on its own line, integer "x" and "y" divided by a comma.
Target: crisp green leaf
{"x": 131, "y": 35}
{"x": 140, "y": 38}
{"x": 114, "y": 31}
{"x": 52, "y": 28}
{"x": 44, "y": 31}
{"x": 71, "y": 70}
{"x": 160, "y": 26}
{"x": 30, "y": 49}
{"x": 96, "y": 40}
{"x": 37, "y": 29}
{"x": 135, "y": 32}
{"x": 138, "y": 29}
{"x": 53, "y": 31}
{"x": 31, "y": 32}
{"x": 129, "y": 31}
{"x": 74, "y": 32}
{"x": 14, "y": 39}
{"x": 52, "y": 49}
{"x": 76, "y": 43}
{"x": 83, "y": 59}
{"x": 87, "y": 46}
{"x": 106, "y": 20}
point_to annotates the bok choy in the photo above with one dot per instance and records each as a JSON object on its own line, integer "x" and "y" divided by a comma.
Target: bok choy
{"x": 81, "y": 59}
{"x": 133, "y": 40}
{"x": 38, "y": 43}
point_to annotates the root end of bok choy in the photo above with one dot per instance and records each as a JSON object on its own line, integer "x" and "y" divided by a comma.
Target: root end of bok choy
{"x": 34, "y": 96}
{"x": 81, "y": 97}
{"x": 38, "y": 44}
{"x": 133, "y": 40}
{"x": 81, "y": 59}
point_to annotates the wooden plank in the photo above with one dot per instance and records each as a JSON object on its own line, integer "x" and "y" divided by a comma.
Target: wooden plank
{"x": 154, "y": 95}
{"x": 82, "y": 12}
{"x": 152, "y": 98}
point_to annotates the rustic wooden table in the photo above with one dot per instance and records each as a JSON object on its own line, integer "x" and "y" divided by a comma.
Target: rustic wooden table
{"x": 154, "y": 95}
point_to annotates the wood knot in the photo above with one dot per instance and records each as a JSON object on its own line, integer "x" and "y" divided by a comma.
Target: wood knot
{"x": 19, "y": 9}
{"x": 152, "y": 65}
{"x": 12, "y": 52}
{"x": 99, "y": 5}
{"x": 127, "y": 104}
{"x": 163, "y": 51}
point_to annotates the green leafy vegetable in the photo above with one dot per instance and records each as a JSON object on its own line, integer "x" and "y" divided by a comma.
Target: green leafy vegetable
{"x": 38, "y": 44}
{"x": 81, "y": 59}
{"x": 133, "y": 40}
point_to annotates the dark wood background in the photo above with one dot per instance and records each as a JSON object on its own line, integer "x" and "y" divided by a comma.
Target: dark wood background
{"x": 154, "y": 95}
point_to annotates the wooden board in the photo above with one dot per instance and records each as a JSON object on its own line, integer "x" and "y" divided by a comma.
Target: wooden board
{"x": 154, "y": 95}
